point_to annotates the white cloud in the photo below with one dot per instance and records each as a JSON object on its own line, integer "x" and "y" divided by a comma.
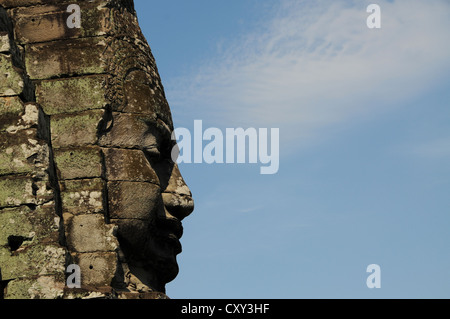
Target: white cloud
{"x": 316, "y": 64}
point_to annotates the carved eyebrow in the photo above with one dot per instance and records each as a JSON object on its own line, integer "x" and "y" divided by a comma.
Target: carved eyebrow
{"x": 163, "y": 142}
{"x": 160, "y": 129}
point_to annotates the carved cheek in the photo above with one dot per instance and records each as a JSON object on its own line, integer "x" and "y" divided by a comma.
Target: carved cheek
{"x": 133, "y": 200}
{"x": 128, "y": 165}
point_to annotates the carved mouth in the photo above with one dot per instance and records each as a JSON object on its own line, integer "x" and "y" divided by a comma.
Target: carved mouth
{"x": 168, "y": 232}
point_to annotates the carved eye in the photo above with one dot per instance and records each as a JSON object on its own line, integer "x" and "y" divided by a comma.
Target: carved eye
{"x": 152, "y": 153}
{"x": 166, "y": 148}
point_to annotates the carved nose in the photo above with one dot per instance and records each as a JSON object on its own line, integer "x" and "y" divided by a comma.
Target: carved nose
{"x": 179, "y": 206}
{"x": 177, "y": 197}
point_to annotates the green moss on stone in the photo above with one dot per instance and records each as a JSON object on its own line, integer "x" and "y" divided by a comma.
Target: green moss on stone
{"x": 12, "y": 105}
{"x": 76, "y": 163}
{"x": 19, "y": 152}
{"x": 44, "y": 287}
{"x": 32, "y": 261}
{"x": 16, "y": 191}
{"x": 77, "y": 94}
{"x": 83, "y": 196}
{"x": 75, "y": 129}
{"x": 15, "y": 222}
{"x": 33, "y": 225}
{"x": 11, "y": 80}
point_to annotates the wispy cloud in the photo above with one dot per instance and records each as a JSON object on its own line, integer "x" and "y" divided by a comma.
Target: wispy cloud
{"x": 315, "y": 63}
{"x": 433, "y": 149}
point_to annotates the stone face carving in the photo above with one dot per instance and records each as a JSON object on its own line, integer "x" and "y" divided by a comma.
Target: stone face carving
{"x": 86, "y": 174}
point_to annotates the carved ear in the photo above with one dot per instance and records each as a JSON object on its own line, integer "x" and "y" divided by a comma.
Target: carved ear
{"x": 106, "y": 123}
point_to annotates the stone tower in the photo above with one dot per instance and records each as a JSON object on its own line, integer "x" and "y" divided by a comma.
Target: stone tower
{"x": 86, "y": 174}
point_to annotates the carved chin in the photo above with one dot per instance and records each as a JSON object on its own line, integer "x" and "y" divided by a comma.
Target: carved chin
{"x": 154, "y": 250}
{"x": 161, "y": 256}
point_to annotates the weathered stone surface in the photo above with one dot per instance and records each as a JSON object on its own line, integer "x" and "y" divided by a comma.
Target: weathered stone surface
{"x": 131, "y": 131}
{"x": 68, "y": 57}
{"x": 44, "y": 287}
{"x": 128, "y": 165}
{"x": 81, "y": 129}
{"x": 98, "y": 269}
{"x": 133, "y": 200}
{"x": 24, "y": 3}
{"x": 23, "y": 153}
{"x": 5, "y": 45}
{"x": 30, "y": 225}
{"x": 78, "y": 163}
{"x": 143, "y": 295}
{"x": 16, "y": 222}
{"x": 142, "y": 95}
{"x": 32, "y": 261}
{"x": 21, "y": 117}
{"x": 11, "y": 78}
{"x": 136, "y": 232}
{"x": 16, "y": 191}
{"x": 79, "y": 94}
{"x": 83, "y": 196}
{"x": 11, "y": 111}
{"x": 89, "y": 233}
{"x": 49, "y": 22}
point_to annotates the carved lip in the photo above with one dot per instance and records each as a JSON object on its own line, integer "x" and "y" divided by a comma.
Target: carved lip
{"x": 169, "y": 231}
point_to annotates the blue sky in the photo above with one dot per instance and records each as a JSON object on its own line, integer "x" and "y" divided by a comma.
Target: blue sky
{"x": 364, "y": 145}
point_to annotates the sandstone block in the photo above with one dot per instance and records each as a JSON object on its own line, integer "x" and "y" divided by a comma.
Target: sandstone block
{"x": 97, "y": 269}
{"x": 11, "y": 110}
{"x": 16, "y": 191}
{"x": 78, "y": 163}
{"x": 133, "y": 200}
{"x": 128, "y": 165}
{"x": 72, "y": 130}
{"x": 89, "y": 233}
{"x": 23, "y": 153}
{"x": 49, "y": 22}
{"x": 19, "y": 116}
{"x": 131, "y": 131}
{"x": 22, "y": 226}
{"x": 11, "y": 78}
{"x": 79, "y": 94}
{"x": 34, "y": 260}
{"x": 83, "y": 196}
{"x": 66, "y": 57}
{"x": 44, "y": 287}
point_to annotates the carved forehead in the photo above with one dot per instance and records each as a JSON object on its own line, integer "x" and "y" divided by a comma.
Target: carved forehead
{"x": 134, "y": 85}
{"x": 143, "y": 94}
